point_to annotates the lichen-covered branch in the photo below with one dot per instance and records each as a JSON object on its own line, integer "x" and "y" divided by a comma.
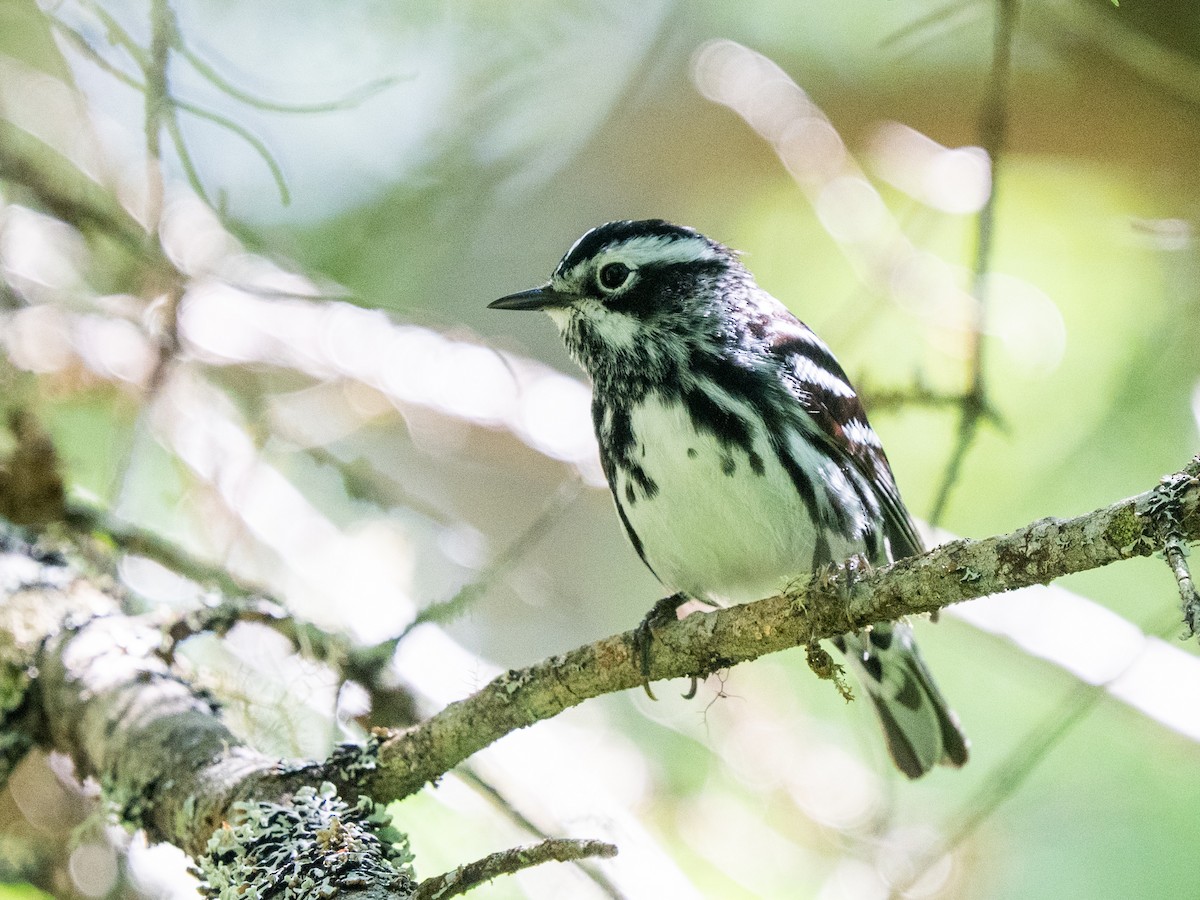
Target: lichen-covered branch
{"x": 827, "y": 606}
{"x": 89, "y": 682}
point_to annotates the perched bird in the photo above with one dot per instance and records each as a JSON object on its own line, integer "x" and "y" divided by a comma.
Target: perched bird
{"x": 738, "y": 454}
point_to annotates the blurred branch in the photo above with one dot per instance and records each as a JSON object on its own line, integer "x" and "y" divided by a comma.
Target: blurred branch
{"x": 363, "y": 481}
{"x": 353, "y": 98}
{"x": 506, "y": 862}
{"x": 256, "y": 143}
{"x": 886, "y": 399}
{"x": 158, "y": 110}
{"x": 937, "y": 24}
{"x": 1102, "y": 28}
{"x": 84, "y": 680}
{"x": 141, "y": 542}
{"x": 448, "y": 610}
{"x": 993, "y": 126}
{"x": 61, "y": 188}
{"x": 238, "y": 602}
{"x": 162, "y": 106}
{"x": 831, "y": 604}
{"x": 1006, "y": 778}
{"x": 157, "y": 747}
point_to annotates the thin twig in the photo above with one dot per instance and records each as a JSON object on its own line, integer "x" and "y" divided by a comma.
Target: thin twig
{"x": 446, "y": 610}
{"x": 190, "y": 170}
{"x": 938, "y": 23}
{"x": 158, "y": 101}
{"x": 993, "y": 130}
{"x": 918, "y": 394}
{"x": 1176, "y": 555}
{"x": 351, "y": 99}
{"x": 507, "y": 808}
{"x": 464, "y": 878}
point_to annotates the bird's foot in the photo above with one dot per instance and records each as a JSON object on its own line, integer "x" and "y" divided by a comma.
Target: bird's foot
{"x": 662, "y": 613}
{"x": 837, "y": 581}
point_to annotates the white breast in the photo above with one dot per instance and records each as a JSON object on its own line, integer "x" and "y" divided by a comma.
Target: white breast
{"x": 711, "y": 533}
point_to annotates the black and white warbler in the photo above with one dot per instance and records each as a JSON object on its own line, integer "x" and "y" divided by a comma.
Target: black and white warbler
{"x": 737, "y": 452}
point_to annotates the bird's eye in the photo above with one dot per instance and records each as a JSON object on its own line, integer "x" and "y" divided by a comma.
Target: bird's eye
{"x": 612, "y": 276}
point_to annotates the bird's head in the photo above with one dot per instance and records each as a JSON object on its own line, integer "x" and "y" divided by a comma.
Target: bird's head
{"x": 636, "y": 293}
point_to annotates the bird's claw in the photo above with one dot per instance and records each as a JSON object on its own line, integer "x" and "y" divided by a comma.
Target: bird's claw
{"x": 662, "y": 613}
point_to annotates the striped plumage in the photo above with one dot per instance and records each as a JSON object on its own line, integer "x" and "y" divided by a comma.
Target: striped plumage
{"x": 738, "y": 454}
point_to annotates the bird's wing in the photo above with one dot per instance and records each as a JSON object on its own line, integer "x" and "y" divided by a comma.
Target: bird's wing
{"x": 816, "y": 379}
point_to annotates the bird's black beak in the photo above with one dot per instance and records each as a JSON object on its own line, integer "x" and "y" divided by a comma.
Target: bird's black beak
{"x": 535, "y": 298}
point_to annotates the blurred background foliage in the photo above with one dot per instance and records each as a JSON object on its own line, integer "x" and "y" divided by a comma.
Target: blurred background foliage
{"x": 296, "y": 382}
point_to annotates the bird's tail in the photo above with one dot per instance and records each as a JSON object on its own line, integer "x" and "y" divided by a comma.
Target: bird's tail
{"x": 920, "y": 728}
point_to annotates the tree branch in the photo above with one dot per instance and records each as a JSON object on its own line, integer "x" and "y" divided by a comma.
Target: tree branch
{"x": 831, "y": 604}
{"x": 88, "y": 682}
{"x": 92, "y": 684}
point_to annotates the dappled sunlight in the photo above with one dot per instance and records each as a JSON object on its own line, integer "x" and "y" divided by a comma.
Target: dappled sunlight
{"x": 407, "y": 364}
{"x": 323, "y": 562}
{"x": 948, "y": 180}
{"x": 1099, "y": 647}
{"x": 40, "y": 256}
{"x": 955, "y": 180}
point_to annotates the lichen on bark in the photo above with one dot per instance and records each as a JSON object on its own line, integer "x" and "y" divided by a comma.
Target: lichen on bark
{"x": 312, "y": 847}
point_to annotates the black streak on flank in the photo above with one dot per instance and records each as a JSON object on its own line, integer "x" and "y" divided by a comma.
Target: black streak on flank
{"x": 617, "y": 452}
{"x": 728, "y": 466}
{"x": 756, "y": 463}
{"x": 630, "y": 494}
{"x": 707, "y": 415}
{"x": 873, "y": 666}
{"x": 910, "y": 694}
{"x": 691, "y": 452}
{"x": 633, "y": 537}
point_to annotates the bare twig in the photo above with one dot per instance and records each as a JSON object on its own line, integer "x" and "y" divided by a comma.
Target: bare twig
{"x": 510, "y": 811}
{"x": 464, "y": 878}
{"x": 918, "y": 394}
{"x": 993, "y": 127}
{"x": 62, "y": 189}
{"x": 356, "y": 96}
{"x": 447, "y": 610}
{"x": 1176, "y": 554}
